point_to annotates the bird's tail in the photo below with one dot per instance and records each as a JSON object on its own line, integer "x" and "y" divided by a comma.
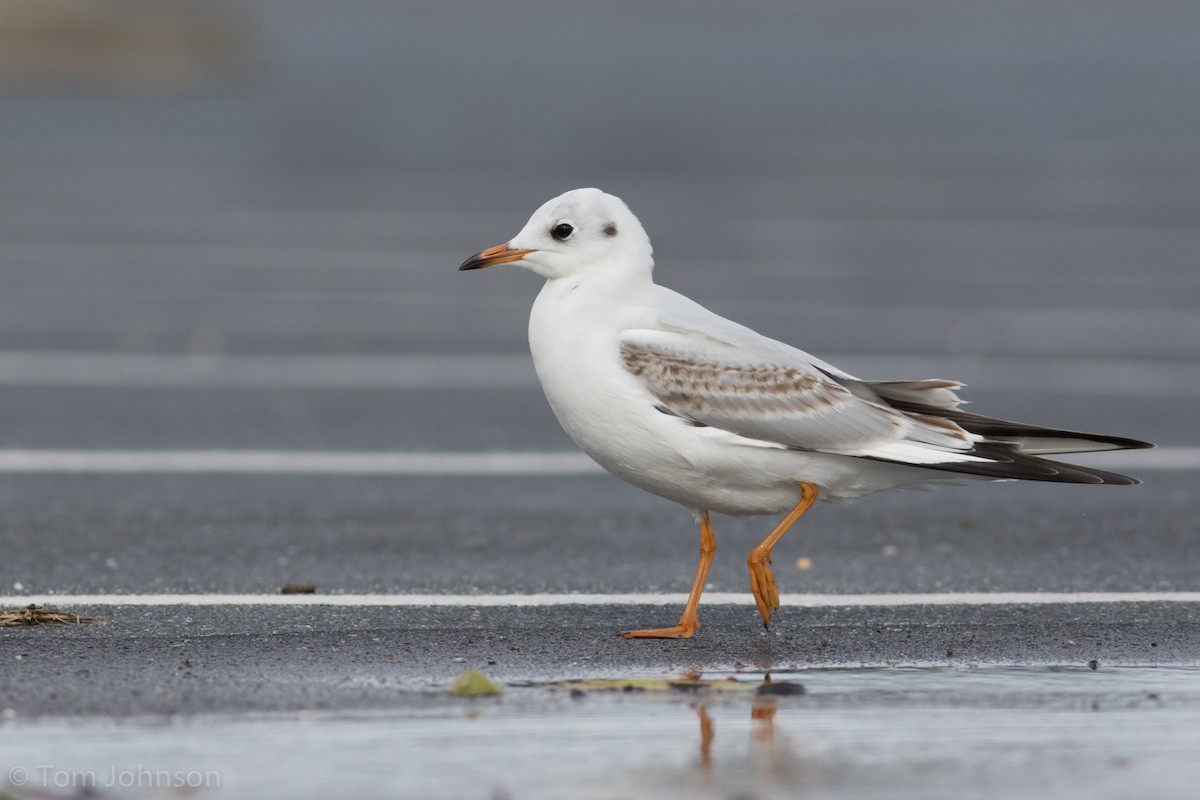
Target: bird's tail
{"x": 1015, "y": 446}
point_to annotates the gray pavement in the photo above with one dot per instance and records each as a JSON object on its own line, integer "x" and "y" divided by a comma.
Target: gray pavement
{"x": 463, "y": 535}
{"x": 195, "y": 660}
{"x": 1003, "y": 193}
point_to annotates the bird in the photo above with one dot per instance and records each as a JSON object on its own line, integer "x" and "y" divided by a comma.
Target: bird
{"x": 698, "y": 409}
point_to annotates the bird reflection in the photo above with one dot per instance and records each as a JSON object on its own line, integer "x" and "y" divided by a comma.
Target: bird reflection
{"x": 765, "y": 758}
{"x": 706, "y": 737}
{"x": 763, "y": 712}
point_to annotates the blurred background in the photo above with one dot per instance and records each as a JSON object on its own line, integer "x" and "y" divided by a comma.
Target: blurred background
{"x": 903, "y": 186}
{"x": 236, "y": 224}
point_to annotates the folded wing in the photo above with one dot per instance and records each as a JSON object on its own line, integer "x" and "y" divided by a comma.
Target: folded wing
{"x": 767, "y": 392}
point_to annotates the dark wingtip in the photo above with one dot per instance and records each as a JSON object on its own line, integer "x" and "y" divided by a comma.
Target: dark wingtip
{"x": 1006, "y": 430}
{"x": 1117, "y": 442}
{"x": 1009, "y": 464}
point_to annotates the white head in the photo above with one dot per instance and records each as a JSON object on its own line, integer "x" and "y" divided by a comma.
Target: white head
{"x": 582, "y": 231}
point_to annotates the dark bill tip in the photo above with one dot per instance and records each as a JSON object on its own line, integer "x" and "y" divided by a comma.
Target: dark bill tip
{"x": 500, "y": 254}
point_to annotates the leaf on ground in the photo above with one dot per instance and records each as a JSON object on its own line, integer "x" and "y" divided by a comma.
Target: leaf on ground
{"x": 473, "y": 683}
{"x": 33, "y": 614}
{"x": 689, "y": 684}
{"x": 682, "y": 685}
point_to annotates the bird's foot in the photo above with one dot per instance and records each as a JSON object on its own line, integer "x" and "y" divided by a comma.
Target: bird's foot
{"x": 683, "y": 630}
{"x": 762, "y": 585}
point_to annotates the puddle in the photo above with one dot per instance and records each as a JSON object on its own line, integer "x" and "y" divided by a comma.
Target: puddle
{"x": 896, "y": 733}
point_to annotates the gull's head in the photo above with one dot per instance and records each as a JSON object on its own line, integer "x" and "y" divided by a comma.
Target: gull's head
{"x": 582, "y": 231}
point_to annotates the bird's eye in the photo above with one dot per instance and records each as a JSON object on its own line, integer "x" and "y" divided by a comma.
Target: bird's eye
{"x": 562, "y": 231}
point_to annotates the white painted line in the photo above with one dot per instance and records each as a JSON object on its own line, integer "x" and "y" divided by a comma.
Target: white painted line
{"x": 1103, "y": 377}
{"x": 631, "y": 599}
{"x": 164, "y": 371}
{"x": 293, "y": 462}
{"x": 504, "y": 462}
{"x": 1164, "y": 459}
{"x": 291, "y": 257}
{"x": 1175, "y": 459}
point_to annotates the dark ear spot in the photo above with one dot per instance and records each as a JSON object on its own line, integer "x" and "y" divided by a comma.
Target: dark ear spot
{"x": 610, "y": 229}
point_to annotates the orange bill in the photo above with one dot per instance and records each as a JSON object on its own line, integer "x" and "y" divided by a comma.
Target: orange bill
{"x": 500, "y": 254}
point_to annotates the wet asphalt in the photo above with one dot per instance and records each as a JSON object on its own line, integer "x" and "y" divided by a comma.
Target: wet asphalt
{"x": 961, "y": 193}
{"x": 235, "y": 660}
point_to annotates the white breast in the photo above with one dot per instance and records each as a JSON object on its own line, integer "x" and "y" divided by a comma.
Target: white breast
{"x": 574, "y": 339}
{"x": 574, "y": 342}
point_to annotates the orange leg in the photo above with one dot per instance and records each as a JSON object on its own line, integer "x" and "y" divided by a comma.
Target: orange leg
{"x": 762, "y": 581}
{"x": 689, "y": 623}
{"x": 706, "y": 738}
{"x": 763, "y": 712}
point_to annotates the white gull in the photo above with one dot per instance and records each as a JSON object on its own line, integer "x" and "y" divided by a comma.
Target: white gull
{"x": 698, "y": 409}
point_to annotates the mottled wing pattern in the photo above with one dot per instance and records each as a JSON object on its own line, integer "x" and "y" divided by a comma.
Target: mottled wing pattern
{"x": 730, "y": 378}
{"x": 792, "y": 404}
